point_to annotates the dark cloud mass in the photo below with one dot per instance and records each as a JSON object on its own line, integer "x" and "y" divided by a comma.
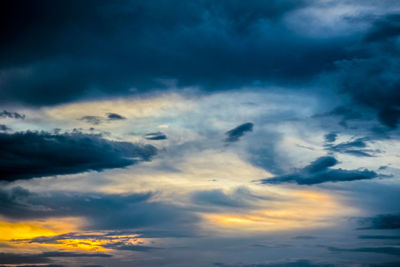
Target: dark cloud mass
{"x": 319, "y": 171}
{"x": 57, "y": 52}
{"x": 373, "y": 80}
{"x": 235, "y": 134}
{"x": 383, "y": 221}
{"x": 26, "y": 155}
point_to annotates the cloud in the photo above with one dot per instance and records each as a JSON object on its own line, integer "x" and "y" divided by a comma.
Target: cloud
{"x": 95, "y": 120}
{"x": 240, "y": 198}
{"x": 232, "y": 43}
{"x": 319, "y": 171}
{"x": 294, "y": 263}
{"x": 45, "y": 257}
{"x": 4, "y": 128}
{"x": 155, "y": 136}
{"x": 357, "y": 147}
{"x": 235, "y": 134}
{"x": 380, "y": 237}
{"x": 116, "y": 240}
{"x": 115, "y": 116}
{"x": 122, "y": 211}
{"x": 372, "y": 80}
{"x": 384, "y": 28}
{"x": 383, "y": 250}
{"x": 345, "y": 114}
{"x": 12, "y": 115}
{"x": 26, "y": 155}
{"x": 330, "y": 137}
{"x": 383, "y": 221}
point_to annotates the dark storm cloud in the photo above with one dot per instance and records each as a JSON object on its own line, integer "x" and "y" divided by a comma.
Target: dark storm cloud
{"x": 374, "y": 82}
{"x": 235, "y": 134}
{"x": 12, "y": 115}
{"x": 57, "y": 52}
{"x": 383, "y": 221}
{"x": 319, "y": 171}
{"x": 373, "y": 79}
{"x": 385, "y": 28}
{"x": 155, "y": 136}
{"x": 26, "y": 155}
{"x": 101, "y": 211}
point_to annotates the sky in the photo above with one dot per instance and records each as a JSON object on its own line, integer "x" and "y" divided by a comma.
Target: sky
{"x": 200, "y": 133}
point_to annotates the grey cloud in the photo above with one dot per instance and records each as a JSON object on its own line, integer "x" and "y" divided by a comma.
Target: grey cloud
{"x": 26, "y": 155}
{"x": 373, "y": 80}
{"x": 240, "y": 198}
{"x": 357, "y": 147}
{"x": 319, "y": 171}
{"x": 54, "y": 53}
{"x": 391, "y": 250}
{"x": 330, "y": 137}
{"x": 101, "y": 211}
{"x": 380, "y": 237}
{"x": 115, "y": 116}
{"x": 12, "y": 115}
{"x": 95, "y": 120}
{"x": 41, "y": 258}
{"x": 384, "y": 28}
{"x": 294, "y": 263}
{"x": 237, "y": 132}
{"x": 156, "y": 136}
{"x": 382, "y": 221}
{"x": 4, "y": 128}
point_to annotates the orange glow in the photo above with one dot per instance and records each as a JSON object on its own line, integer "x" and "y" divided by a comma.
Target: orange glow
{"x": 94, "y": 244}
{"x": 32, "y": 229}
{"x": 19, "y": 236}
{"x": 89, "y": 245}
{"x": 307, "y": 210}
